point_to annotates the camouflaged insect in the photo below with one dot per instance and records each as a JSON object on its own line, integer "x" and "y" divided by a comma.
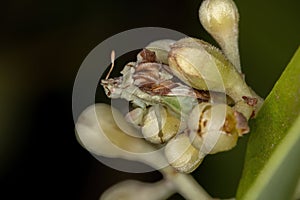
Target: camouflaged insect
{"x": 147, "y": 82}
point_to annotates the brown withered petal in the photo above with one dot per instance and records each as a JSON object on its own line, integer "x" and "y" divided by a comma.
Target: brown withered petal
{"x": 153, "y": 73}
{"x": 161, "y": 49}
{"x": 241, "y": 123}
{"x": 147, "y": 56}
{"x": 251, "y": 101}
{"x": 148, "y": 66}
{"x": 155, "y": 89}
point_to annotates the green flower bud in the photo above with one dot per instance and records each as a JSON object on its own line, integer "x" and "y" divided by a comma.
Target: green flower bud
{"x": 181, "y": 155}
{"x": 204, "y": 67}
{"x": 220, "y": 18}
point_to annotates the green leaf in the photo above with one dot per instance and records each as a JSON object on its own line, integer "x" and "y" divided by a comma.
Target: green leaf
{"x": 272, "y": 163}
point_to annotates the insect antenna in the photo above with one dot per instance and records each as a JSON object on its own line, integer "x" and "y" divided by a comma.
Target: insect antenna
{"x": 112, "y": 58}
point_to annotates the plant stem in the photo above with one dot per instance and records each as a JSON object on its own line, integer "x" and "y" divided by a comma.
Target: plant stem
{"x": 186, "y": 185}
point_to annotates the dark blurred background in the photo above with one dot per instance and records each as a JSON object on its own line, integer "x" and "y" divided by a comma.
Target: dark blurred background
{"x": 42, "y": 44}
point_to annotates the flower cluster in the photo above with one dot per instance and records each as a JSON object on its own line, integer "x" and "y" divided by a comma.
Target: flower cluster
{"x": 186, "y": 96}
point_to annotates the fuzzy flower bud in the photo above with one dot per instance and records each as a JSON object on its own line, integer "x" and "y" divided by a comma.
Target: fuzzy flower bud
{"x": 204, "y": 67}
{"x": 220, "y": 18}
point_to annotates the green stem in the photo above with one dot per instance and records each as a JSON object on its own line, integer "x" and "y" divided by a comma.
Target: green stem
{"x": 186, "y": 185}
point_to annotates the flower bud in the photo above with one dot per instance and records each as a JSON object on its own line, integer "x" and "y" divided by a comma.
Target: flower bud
{"x": 137, "y": 190}
{"x": 204, "y": 67}
{"x": 201, "y": 65}
{"x": 102, "y": 130}
{"x": 186, "y": 58}
{"x": 181, "y": 155}
{"x": 215, "y": 128}
{"x": 220, "y": 18}
{"x": 159, "y": 125}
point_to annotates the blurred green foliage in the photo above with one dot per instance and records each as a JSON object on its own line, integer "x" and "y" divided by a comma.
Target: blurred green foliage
{"x": 272, "y": 161}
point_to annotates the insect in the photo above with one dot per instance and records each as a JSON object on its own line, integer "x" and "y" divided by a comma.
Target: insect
{"x": 147, "y": 82}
